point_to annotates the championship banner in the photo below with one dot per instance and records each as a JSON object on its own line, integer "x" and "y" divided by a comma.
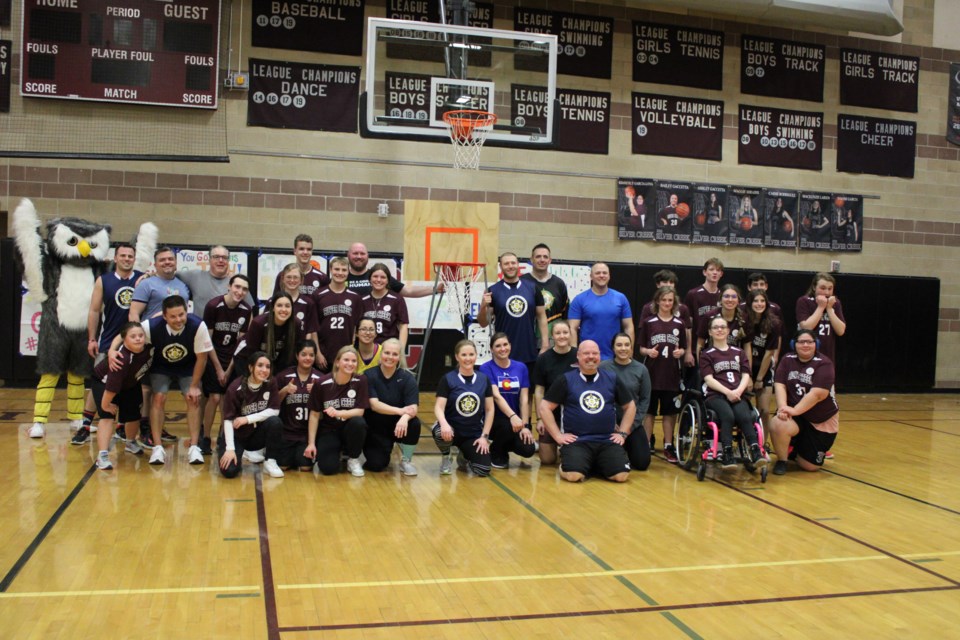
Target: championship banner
{"x": 583, "y": 119}
{"x": 744, "y": 205}
{"x": 674, "y": 222}
{"x": 780, "y": 213}
{"x": 875, "y": 145}
{"x": 781, "y": 138}
{"x": 677, "y": 126}
{"x": 416, "y": 11}
{"x": 953, "y": 106}
{"x": 585, "y": 43}
{"x": 846, "y": 224}
{"x": 407, "y": 95}
{"x": 636, "y": 213}
{"x": 323, "y": 26}
{"x": 6, "y": 46}
{"x": 815, "y": 221}
{"x": 710, "y": 225}
{"x": 781, "y": 68}
{"x": 879, "y": 80}
{"x": 5, "y": 12}
{"x": 294, "y": 95}
{"x": 667, "y": 54}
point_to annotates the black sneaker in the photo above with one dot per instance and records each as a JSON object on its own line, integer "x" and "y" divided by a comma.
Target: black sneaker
{"x": 205, "y": 446}
{"x": 653, "y": 443}
{"x": 756, "y": 456}
{"x": 166, "y": 436}
{"x": 729, "y": 460}
{"x": 670, "y": 454}
{"x": 780, "y": 467}
{"x": 81, "y": 436}
{"x": 500, "y": 463}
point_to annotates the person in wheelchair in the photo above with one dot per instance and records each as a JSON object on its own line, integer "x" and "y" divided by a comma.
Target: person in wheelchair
{"x": 726, "y": 378}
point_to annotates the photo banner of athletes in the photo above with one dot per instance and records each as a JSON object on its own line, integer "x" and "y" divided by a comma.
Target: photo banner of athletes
{"x": 333, "y": 26}
{"x": 712, "y": 214}
{"x": 953, "y": 106}
{"x": 294, "y": 95}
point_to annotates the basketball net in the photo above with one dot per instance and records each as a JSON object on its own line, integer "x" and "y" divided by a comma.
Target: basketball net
{"x": 458, "y": 282}
{"x": 468, "y": 132}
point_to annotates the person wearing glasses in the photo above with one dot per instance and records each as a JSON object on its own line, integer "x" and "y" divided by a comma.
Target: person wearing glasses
{"x": 367, "y": 345}
{"x": 205, "y": 285}
{"x": 730, "y": 300}
{"x": 807, "y": 418}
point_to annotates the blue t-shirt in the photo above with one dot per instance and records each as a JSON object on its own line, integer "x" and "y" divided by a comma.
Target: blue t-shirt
{"x": 515, "y": 314}
{"x": 155, "y": 290}
{"x": 600, "y": 318}
{"x": 508, "y": 381}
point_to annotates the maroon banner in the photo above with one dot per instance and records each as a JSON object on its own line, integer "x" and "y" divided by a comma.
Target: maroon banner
{"x": 814, "y": 213}
{"x": 674, "y": 208}
{"x": 422, "y": 11}
{"x": 583, "y": 117}
{"x": 781, "y": 68}
{"x": 636, "y": 208}
{"x": 846, "y": 224}
{"x": 407, "y": 95}
{"x": 6, "y": 49}
{"x": 676, "y": 126}
{"x": 585, "y": 42}
{"x": 5, "y": 13}
{"x": 293, "y": 95}
{"x": 953, "y": 105}
{"x": 744, "y": 205}
{"x": 780, "y": 138}
{"x": 875, "y": 145}
{"x": 326, "y": 26}
{"x": 879, "y": 80}
{"x": 710, "y": 225}
{"x": 780, "y": 215}
{"x": 668, "y": 54}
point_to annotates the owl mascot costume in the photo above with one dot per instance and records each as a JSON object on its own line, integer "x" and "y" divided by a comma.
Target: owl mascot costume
{"x": 60, "y": 273}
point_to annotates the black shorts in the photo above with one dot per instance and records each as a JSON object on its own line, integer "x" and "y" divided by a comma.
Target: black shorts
{"x": 810, "y": 443}
{"x": 767, "y": 379}
{"x": 668, "y": 401}
{"x": 210, "y": 384}
{"x": 604, "y": 458}
{"x": 129, "y": 401}
{"x": 290, "y": 454}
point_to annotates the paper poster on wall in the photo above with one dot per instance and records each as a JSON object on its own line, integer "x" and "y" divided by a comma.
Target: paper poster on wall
{"x": 636, "y": 212}
{"x": 331, "y": 26}
{"x": 846, "y": 223}
{"x": 780, "y": 213}
{"x": 674, "y": 208}
{"x": 270, "y": 264}
{"x": 199, "y": 260}
{"x": 710, "y": 225}
{"x": 744, "y": 205}
{"x": 815, "y": 220}
{"x": 29, "y": 324}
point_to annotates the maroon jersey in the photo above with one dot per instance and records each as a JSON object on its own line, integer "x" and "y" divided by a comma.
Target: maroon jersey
{"x": 388, "y": 312}
{"x": 241, "y": 400}
{"x": 760, "y": 343}
{"x": 342, "y": 397}
{"x": 682, "y": 312}
{"x": 225, "y": 326}
{"x": 305, "y": 312}
{"x": 799, "y": 377}
{"x": 339, "y": 314}
{"x": 702, "y": 304}
{"x": 133, "y": 367}
{"x": 255, "y": 339}
{"x": 665, "y": 336}
{"x": 313, "y": 280}
{"x": 727, "y": 367}
{"x": 736, "y": 338}
{"x": 806, "y": 306}
{"x": 295, "y": 412}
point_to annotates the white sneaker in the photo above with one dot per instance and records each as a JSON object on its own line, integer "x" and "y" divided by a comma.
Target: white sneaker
{"x": 93, "y": 428}
{"x": 134, "y": 447}
{"x": 159, "y": 456}
{"x": 36, "y": 431}
{"x": 407, "y": 468}
{"x": 76, "y": 424}
{"x": 271, "y": 468}
{"x": 355, "y": 467}
{"x": 103, "y": 461}
{"x": 194, "y": 455}
{"x": 256, "y": 457}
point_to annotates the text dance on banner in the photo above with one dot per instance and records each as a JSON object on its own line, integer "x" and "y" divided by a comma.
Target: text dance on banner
{"x": 879, "y": 80}
{"x": 585, "y": 42}
{"x": 583, "y": 118}
{"x": 780, "y": 213}
{"x": 636, "y": 208}
{"x": 293, "y": 95}
{"x": 6, "y": 46}
{"x": 953, "y": 108}
{"x": 710, "y": 225}
{"x": 415, "y": 11}
{"x": 875, "y": 145}
{"x": 781, "y": 138}
{"x": 815, "y": 220}
{"x": 676, "y": 126}
{"x": 324, "y": 26}
{"x": 408, "y": 95}
{"x": 674, "y": 219}
{"x": 781, "y": 68}
{"x": 744, "y": 205}
{"x": 667, "y": 54}
{"x": 846, "y": 223}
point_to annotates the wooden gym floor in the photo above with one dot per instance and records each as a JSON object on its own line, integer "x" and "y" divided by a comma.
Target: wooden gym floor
{"x": 870, "y": 548}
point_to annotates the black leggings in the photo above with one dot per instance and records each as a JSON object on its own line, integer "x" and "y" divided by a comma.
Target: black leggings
{"x": 479, "y": 462}
{"x": 380, "y": 439}
{"x": 504, "y": 440}
{"x": 347, "y": 438}
{"x": 638, "y": 449}
{"x": 265, "y": 434}
{"x": 740, "y": 413}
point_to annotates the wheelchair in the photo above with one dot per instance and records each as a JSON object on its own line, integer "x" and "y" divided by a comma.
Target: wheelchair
{"x": 697, "y": 437}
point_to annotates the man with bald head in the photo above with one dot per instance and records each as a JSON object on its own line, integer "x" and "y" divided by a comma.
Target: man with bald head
{"x": 591, "y": 442}
{"x": 358, "y": 280}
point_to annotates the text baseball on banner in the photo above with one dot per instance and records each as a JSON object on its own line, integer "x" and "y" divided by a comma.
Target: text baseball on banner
{"x": 781, "y": 68}
{"x": 585, "y": 43}
{"x": 781, "y": 138}
{"x": 879, "y": 80}
{"x": 676, "y": 126}
{"x": 667, "y": 54}
{"x": 324, "y": 26}
{"x": 876, "y": 145}
{"x": 294, "y": 95}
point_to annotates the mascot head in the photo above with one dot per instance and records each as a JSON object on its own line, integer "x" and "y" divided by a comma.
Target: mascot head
{"x": 77, "y": 241}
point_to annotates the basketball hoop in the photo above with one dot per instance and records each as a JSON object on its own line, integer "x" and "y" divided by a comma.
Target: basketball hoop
{"x": 468, "y": 132}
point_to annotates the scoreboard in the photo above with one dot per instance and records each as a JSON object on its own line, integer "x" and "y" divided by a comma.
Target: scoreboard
{"x": 158, "y": 52}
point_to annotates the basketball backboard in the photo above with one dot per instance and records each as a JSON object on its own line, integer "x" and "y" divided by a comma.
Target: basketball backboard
{"x": 417, "y": 71}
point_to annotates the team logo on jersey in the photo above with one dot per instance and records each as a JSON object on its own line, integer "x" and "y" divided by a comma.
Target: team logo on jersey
{"x": 548, "y": 299}
{"x": 123, "y": 297}
{"x": 351, "y": 394}
{"x": 676, "y": 332}
{"x": 241, "y": 321}
{"x": 516, "y": 306}
{"x": 316, "y": 283}
{"x": 809, "y": 371}
{"x": 266, "y": 396}
{"x": 507, "y": 382}
{"x": 591, "y": 401}
{"x": 348, "y": 303}
{"x": 386, "y": 308}
{"x": 300, "y": 316}
{"x": 174, "y": 352}
{"x": 468, "y": 404}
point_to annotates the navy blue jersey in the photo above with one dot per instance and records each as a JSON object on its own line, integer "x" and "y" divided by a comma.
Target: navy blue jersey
{"x": 117, "y": 295}
{"x": 588, "y": 403}
{"x": 465, "y": 409}
{"x": 515, "y": 314}
{"x": 175, "y": 355}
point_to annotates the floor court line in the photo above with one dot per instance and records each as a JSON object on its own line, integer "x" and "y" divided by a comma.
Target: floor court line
{"x": 892, "y": 491}
{"x": 128, "y": 592}
{"x": 266, "y": 566}
{"x": 919, "y": 426}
